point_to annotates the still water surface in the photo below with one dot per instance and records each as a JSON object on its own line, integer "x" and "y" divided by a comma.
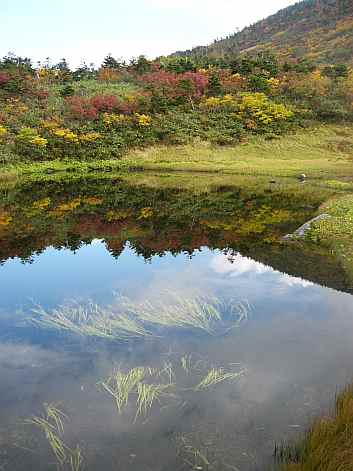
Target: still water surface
{"x": 283, "y": 339}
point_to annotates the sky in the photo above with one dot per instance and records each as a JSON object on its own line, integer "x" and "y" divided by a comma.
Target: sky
{"x": 90, "y": 29}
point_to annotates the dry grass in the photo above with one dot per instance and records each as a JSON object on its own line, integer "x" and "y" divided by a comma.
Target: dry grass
{"x": 328, "y": 444}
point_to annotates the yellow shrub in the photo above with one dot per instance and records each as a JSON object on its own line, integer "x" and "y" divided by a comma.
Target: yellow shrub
{"x": 89, "y": 137}
{"x": 258, "y": 107}
{"x": 66, "y": 134}
{"x": 110, "y": 119}
{"x": 143, "y": 120}
{"x": 3, "y": 131}
{"x": 220, "y": 102}
{"x": 41, "y": 204}
{"x": 31, "y": 136}
{"x": 5, "y": 219}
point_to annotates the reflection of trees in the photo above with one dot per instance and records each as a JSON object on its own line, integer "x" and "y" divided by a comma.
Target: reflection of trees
{"x": 156, "y": 221}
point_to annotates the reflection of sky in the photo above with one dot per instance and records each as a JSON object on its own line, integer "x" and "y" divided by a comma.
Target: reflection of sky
{"x": 296, "y": 347}
{"x": 91, "y": 272}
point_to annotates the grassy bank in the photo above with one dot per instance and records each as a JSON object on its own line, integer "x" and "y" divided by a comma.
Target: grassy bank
{"x": 320, "y": 152}
{"x": 336, "y": 233}
{"x": 328, "y": 444}
{"x": 323, "y": 152}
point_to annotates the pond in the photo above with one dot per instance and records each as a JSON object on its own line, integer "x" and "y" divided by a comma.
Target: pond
{"x": 159, "y": 322}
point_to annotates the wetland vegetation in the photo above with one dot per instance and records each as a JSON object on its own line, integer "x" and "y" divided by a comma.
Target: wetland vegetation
{"x": 153, "y": 315}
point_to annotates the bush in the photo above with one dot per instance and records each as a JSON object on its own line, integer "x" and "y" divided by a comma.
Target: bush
{"x": 331, "y": 109}
{"x": 66, "y": 91}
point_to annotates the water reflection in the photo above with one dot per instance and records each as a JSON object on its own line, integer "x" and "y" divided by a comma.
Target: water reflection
{"x": 264, "y": 374}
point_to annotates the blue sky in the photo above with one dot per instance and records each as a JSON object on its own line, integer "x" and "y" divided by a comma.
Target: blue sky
{"x": 89, "y": 29}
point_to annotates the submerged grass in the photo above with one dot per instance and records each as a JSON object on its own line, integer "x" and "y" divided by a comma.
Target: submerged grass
{"x": 328, "y": 444}
{"x": 91, "y": 320}
{"x": 121, "y": 385}
{"x": 193, "y": 457}
{"x": 76, "y": 459}
{"x": 138, "y": 386}
{"x": 127, "y": 320}
{"x": 51, "y": 423}
{"x": 147, "y": 395}
{"x": 216, "y": 376}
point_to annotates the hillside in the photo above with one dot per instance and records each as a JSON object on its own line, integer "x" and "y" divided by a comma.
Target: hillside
{"x": 320, "y": 30}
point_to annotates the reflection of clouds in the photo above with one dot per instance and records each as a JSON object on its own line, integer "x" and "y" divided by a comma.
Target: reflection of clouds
{"x": 293, "y": 280}
{"x": 237, "y": 265}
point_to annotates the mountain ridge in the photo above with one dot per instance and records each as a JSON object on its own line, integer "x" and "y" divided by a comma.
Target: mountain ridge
{"x": 319, "y": 30}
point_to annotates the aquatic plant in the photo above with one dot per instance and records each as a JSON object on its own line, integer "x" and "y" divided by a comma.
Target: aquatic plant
{"x": 216, "y": 376}
{"x": 138, "y": 384}
{"x": 51, "y": 423}
{"x": 127, "y": 320}
{"x": 76, "y": 459}
{"x": 120, "y": 385}
{"x": 192, "y": 456}
{"x": 147, "y": 395}
{"x": 91, "y": 321}
{"x": 207, "y": 314}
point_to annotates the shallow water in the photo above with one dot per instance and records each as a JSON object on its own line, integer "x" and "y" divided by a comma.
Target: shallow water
{"x": 111, "y": 242}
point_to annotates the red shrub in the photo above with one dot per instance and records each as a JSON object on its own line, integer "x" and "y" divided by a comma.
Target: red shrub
{"x": 198, "y": 82}
{"x": 81, "y": 108}
{"x": 105, "y": 103}
{"x": 40, "y": 94}
{"x": 162, "y": 82}
{"x": 89, "y": 108}
{"x": 4, "y": 78}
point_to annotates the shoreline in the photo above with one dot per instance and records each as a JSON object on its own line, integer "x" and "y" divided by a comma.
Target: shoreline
{"x": 314, "y": 151}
